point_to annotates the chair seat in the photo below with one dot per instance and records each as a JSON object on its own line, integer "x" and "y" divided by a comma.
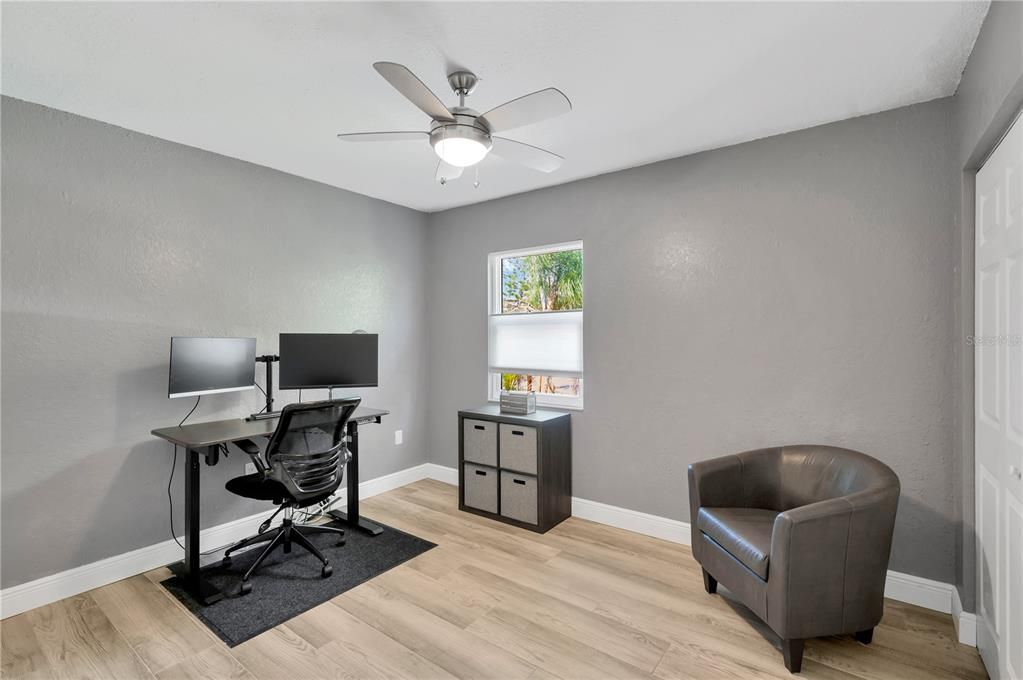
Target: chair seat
{"x": 254, "y": 486}
{"x": 745, "y": 533}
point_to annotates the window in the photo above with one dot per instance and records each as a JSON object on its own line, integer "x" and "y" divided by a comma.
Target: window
{"x": 536, "y": 324}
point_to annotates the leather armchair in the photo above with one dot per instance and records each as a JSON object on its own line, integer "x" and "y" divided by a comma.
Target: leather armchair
{"x": 799, "y": 534}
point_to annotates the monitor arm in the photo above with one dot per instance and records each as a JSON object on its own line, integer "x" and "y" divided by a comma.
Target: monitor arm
{"x": 269, "y": 359}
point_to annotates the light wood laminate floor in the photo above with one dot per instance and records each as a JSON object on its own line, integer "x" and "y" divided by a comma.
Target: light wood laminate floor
{"x": 491, "y": 601}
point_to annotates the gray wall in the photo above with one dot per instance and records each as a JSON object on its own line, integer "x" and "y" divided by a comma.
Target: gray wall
{"x": 990, "y": 96}
{"x": 792, "y": 289}
{"x": 114, "y": 241}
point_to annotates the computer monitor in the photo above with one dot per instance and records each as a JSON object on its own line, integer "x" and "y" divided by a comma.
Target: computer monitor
{"x": 211, "y": 365}
{"x": 311, "y": 360}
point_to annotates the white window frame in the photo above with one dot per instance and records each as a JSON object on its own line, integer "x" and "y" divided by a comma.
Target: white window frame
{"x": 494, "y": 306}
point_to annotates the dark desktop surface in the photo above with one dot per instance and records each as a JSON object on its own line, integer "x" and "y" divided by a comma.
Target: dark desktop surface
{"x": 199, "y": 435}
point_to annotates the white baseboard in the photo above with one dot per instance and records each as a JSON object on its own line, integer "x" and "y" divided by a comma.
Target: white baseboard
{"x": 922, "y": 592}
{"x": 672, "y": 530}
{"x": 965, "y": 622}
{"x": 21, "y": 598}
{"x": 942, "y": 597}
{"x": 379, "y": 485}
{"x": 47, "y": 589}
{"x": 441, "y": 473}
{"x": 914, "y": 590}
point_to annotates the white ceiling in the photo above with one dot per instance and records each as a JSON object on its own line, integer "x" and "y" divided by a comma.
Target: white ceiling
{"x": 272, "y": 83}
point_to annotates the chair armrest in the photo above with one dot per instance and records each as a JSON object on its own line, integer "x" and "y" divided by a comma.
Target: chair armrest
{"x": 715, "y": 483}
{"x": 252, "y": 449}
{"x": 828, "y": 564}
{"x": 712, "y": 483}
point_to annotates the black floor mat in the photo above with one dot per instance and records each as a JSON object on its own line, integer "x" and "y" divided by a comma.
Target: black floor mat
{"x": 287, "y": 585}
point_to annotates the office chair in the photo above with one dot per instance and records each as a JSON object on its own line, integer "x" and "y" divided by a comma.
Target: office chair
{"x": 304, "y": 464}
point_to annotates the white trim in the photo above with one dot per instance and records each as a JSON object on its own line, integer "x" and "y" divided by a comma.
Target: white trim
{"x": 965, "y": 622}
{"x": 379, "y": 485}
{"x": 672, "y": 530}
{"x": 923, "y": 592}
{"x": 942, "y": 597}
{"x": 538, "y": 250}
{"x": 565, "y": 402}
{"x": 441, "y": 473}
{"x": 898, "y": 586}
{"x": 47, "y": 589}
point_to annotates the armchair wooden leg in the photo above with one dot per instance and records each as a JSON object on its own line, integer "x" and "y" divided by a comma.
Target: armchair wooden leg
{"x": 709, "y": 583}
{"x": 865, "y": 636}
{"x": 792, "y": 650}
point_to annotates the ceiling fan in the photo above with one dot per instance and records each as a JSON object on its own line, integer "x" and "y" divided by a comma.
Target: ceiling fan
{"x": 460, "y": 136}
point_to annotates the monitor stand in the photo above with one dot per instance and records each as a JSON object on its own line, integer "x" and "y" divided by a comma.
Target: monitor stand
{"x": 268, "y": 410}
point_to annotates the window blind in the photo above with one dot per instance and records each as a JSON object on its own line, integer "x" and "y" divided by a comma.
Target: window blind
{"x": 542, "y": 343}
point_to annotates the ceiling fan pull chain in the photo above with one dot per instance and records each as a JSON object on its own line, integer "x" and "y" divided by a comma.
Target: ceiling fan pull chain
{"x": 476, "y": 184}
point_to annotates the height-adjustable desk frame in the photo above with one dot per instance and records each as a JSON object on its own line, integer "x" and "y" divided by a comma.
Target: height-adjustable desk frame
{"x": 203, "y": 440}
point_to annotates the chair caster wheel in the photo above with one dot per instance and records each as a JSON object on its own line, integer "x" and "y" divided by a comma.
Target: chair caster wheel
{"x": 327, "y": 570}
{"x": 342, "y": 541}
{"x": 226, "y": 562}
{"x": 245, "y": 589}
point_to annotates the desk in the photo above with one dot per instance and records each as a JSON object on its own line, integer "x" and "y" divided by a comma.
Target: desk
{"x": 204, "y": 439}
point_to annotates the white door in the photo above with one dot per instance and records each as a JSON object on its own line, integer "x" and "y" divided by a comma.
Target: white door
{"x": 998, "y": 353}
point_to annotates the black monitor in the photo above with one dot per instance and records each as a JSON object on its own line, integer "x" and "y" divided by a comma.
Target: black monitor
{"x": 311, "y": 360}
{"x": 211, "y": 365}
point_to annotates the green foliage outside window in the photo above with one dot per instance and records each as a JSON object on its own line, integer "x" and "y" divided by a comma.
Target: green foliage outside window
{"x": 546, "y": 282}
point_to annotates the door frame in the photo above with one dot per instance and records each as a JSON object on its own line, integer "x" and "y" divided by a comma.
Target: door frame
{"x": 970, "y": 539}
{"x": 965, "y": 595}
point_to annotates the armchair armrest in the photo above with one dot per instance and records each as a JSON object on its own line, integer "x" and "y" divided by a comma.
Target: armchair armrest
{"x": 715, "y": 483}
{"x": 828, "y": 565}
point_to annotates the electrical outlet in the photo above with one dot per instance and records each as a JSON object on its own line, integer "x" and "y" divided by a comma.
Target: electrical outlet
{"x": 250, "y": 468}
{"x": 398, "y": 437}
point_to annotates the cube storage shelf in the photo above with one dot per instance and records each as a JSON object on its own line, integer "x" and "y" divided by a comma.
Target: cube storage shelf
{"x": 516, "y": 469}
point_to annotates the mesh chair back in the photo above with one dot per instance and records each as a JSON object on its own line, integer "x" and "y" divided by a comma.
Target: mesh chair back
{"x": 307, "y": 453}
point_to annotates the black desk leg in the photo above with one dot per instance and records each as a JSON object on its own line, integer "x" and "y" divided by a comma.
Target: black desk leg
{"x": 352, "y": 518}
{"x": 203, "y": 591}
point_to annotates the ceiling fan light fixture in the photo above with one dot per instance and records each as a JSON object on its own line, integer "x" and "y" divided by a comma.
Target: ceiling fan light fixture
{"x": 460, "y": 145}
{"x": 460, "y": 136}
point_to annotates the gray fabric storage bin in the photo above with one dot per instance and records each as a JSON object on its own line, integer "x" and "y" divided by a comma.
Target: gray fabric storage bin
{"x": 518, "y": 497}
{"x": 480, "y": 487}
{"x": 518, "y": 448}
{"x": 480, "y": 441}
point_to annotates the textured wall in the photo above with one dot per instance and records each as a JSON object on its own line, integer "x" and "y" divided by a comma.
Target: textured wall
{"x": 114, "y": 241}
{"x": 990, "y": 96}
{"x": 794, "y": 289}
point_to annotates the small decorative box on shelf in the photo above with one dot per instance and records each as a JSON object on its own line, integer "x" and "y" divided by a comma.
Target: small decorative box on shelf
{"x": 515, "y": 468}
{"x": 518, "y": 403}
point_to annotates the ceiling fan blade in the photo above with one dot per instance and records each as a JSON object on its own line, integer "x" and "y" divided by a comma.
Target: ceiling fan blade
{"x": 447, "y": 172}
{"x": 415, "y": 91}
{"x": 530, "y": 156}
{"x": 530, "y": 108}
{"x": 383, "y": 136}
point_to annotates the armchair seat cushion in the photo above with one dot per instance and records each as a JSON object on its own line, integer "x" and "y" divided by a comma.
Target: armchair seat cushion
{"x": 745, "y": 533}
